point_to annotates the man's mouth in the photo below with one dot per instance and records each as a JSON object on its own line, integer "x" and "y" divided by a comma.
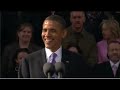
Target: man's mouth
{"x": 115, "y": 56}
{"x": 26, "y": 36}
{"x": 48, "y": 40}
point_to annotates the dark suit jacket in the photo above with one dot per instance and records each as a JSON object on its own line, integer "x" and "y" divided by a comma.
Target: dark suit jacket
{"x": 104, "y": 70}
{"x": 32, "y": 66}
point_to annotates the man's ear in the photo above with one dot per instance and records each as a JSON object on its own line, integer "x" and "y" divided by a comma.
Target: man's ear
{"x": 64, "y": 33}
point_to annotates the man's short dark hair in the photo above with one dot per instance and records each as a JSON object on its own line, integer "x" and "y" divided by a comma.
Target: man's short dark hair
{"x": 114, "y": 41}
{"x": 58, "y": 19}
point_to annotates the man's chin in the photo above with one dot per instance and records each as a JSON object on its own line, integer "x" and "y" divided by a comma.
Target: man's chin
{"x": 26, "y": 40}
{"x": 47, "y": 46}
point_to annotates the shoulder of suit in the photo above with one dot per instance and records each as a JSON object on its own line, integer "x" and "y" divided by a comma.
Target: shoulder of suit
{"x": 36, "y": 53}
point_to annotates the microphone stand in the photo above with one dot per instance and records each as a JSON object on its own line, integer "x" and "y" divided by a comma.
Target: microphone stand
{"x": 59, "y": 75}
{"x": 49, "y": 75}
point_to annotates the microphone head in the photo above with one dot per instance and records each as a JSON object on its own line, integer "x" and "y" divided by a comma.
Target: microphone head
{"x": 60, "y": 67}
{"x": 48, "y": 68}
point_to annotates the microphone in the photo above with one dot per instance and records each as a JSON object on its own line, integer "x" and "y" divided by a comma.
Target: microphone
{"x": 60, "y": 69}
{"x": 48, "y": 69}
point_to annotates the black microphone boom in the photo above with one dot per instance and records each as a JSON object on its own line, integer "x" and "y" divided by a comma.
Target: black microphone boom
{"x": 60, "y": 69}
{"x": 48, "y": 69}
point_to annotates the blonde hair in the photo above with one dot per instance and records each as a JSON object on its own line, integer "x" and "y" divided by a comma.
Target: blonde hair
{"x": 114, "y": 27}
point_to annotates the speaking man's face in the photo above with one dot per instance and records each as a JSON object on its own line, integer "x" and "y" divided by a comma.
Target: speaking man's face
{"x": 52, "y": 34}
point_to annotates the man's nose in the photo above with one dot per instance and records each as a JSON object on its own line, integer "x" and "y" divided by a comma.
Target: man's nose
{"x": 76, "y": 19}
{"x": 47, "y": 33}
{"x": 114, "y": 51}
{"x": 26, "y": 33}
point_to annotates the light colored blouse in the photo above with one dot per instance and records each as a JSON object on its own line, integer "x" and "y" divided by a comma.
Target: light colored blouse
{"x": 102, "y": 51}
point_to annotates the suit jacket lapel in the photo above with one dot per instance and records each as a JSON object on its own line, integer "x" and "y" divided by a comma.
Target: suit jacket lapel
{"x": 109, "y": 69}
{"x": 43, "y": 60}
{"x": 43, "y": 56}
{"x": 118, "y": 71}
{"x": 65, "y": 59}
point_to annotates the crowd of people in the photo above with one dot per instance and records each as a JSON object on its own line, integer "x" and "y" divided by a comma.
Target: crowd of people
{"x": 88, "y": 48}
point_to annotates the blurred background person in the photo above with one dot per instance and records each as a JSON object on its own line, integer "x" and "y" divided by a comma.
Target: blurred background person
{"x": 20, "y": 55}
{"x": 24, "y": 40}
{"x": 77, "y": 34}
{"x": 93, "y": 20}
{"x": 74, "y": 48}
{"x": 110, "y": 31}
{"x": 110, "y": 68}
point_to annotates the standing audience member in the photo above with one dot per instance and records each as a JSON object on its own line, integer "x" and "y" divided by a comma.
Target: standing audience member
{"x": 110, "y": 68}
{"x": 24, "y": 36}
{"x": 77, "y": 34}
{"x": 110, "y": 31}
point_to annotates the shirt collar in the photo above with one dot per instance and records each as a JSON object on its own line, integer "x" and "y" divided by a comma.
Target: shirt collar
{"x": 49, "y": 52}
{"x": 117, "y": 64}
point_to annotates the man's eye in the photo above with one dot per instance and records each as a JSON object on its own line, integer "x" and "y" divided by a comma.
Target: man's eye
{"x": 53, "y": 30}
{"x": 74, "y": 17}
{"x": 23, "y": 31}
{"x": 44, "y": 30}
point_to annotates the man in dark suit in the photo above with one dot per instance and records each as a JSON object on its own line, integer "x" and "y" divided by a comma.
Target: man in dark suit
{"x": 111, "y": 68}
{"x": 53, "y": 32}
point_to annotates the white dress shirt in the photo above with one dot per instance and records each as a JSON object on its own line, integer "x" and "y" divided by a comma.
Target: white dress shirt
{"x": 114, "y": 66}
{"x": 117, "y": 64}
{"x": 58, "y": 52}
{"x": 57, "y": 59}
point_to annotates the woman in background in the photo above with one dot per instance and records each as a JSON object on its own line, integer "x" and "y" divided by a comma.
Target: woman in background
{"x": 110, "y": 31}
{"x": 24, "y": 40}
